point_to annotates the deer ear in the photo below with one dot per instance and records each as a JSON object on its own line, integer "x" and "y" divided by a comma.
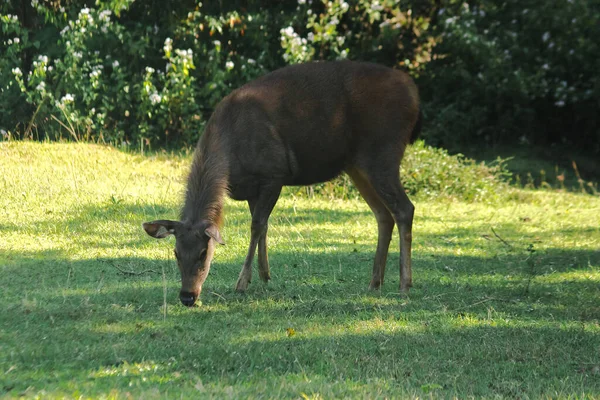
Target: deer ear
{"x": 213, "y": 232}
{"x": 161, "y": 229}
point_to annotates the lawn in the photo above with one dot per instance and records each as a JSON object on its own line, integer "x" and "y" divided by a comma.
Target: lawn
{"x": 505, "y": 303}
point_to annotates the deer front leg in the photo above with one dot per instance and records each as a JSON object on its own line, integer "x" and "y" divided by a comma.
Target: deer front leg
{"x": 260, "y": 208}
{"x": 263, "y": 257}
{"x": 246, "y": 273}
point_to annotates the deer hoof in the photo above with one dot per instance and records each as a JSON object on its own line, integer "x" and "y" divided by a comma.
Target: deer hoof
{"x": 375, "y": 285}
{"x": 241, "y": 285}
{"x": 265, "y": 277}
{"x": 405, "y": 288}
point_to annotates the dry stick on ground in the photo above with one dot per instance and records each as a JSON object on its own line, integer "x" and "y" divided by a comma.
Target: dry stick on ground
{"x": 32, "y": 121}
{"x": 134, "y": 273}
{"x": 502, "y": 240}
{"x": 485, "y": 300}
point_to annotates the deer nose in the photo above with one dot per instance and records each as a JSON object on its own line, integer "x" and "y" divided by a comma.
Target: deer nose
{"x": 188, "y": 299}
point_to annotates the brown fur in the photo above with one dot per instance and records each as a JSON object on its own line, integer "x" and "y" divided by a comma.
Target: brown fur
{"x": 299, "y": 125}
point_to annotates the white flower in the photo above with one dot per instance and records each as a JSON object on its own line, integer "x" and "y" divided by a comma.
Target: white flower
{"x": 17, "y": 71}
{"x": 41, "y": 86}
{"x": 16, "y": 40}
{"x": 288, "y": 31}
{"x": 43, "y": 59}
{"x": 155, "y": 98}
{"x": 168, "y": 45}
{"x": 217, "y": 43}
{"x": 310, "y": 36}
{"x": 115, "y": 64}
{"x": 251, "y": 61}
{"x": 344, "y": 54}
{"x": 375, "y": 6}
{"x": 229, "y": 65}
{"x": 546, "y": 36}
{"x": 105, "y": 16}
{"x": 450, "y": 21}
{"x": 340, "y": 40}
{"x": 559, "y": 103}
{"x": 67, "y": 98}
{"x": 64, "y": 30}
{"x": 301, "y": 1}
{"x": 546, "y": 67}
{"x": 344, "y": 6}
{"x": 150, "y": 70}
{"x": 77, "y": 54}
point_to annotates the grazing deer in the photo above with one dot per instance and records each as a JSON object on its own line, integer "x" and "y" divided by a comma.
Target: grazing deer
{"x": 300, "y": 125}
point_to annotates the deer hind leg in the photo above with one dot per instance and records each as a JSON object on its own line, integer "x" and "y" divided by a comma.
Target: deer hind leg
{"x": 385, "y": 225}
{"x": 386, "y": 183}
{"x": 260, "y": 208}
{"x": 264, "y": 271}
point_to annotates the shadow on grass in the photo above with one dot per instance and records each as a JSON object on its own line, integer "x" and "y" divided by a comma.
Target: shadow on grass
{"x": 454, "y": 334}
{"x": 479, "y": 326}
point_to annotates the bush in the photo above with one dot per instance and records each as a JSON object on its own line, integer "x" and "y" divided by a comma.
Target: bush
{"x": 515, "y": 72}
{"x": 142, "y": 71}
{"x": 428, "y": 173}
{"x": 124, "y": 71}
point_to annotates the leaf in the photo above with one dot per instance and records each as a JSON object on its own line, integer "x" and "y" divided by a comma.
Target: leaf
{"x": 430, "y": 387}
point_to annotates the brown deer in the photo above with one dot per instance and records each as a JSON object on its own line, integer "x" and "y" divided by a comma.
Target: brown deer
{"x": 299, "y": 125}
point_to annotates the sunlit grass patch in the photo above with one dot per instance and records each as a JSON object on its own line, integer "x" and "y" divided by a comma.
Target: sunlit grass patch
{"x": 504, "y": 303}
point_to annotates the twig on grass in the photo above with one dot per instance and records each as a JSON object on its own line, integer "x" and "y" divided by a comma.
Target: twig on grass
{"x": 133, "y": 273}
{"x": 219, "y": 296}
{"x": 502, "y": 240}
{"x": 485, "y": 300}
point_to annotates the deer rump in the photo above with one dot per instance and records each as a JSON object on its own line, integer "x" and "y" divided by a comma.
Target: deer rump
{"x": 299, "y": 125}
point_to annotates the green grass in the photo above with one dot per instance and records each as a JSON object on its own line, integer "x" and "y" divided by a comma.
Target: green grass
{"x": 506, "y": 302}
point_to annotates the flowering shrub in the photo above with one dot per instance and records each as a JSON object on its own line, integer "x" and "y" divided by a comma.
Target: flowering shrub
{"x": 126, "y": 71}
{"x": 506, "y": 72}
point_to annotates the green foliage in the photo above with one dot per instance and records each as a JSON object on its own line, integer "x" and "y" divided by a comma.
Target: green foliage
{"x": 84, "y": 311}
{"x": 514, "y": 71}
{"x": 429, "y": 172}
{"x": 124, "y": 71}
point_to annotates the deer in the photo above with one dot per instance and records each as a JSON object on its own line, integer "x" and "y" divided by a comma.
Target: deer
{"x": 299, "y": 125}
